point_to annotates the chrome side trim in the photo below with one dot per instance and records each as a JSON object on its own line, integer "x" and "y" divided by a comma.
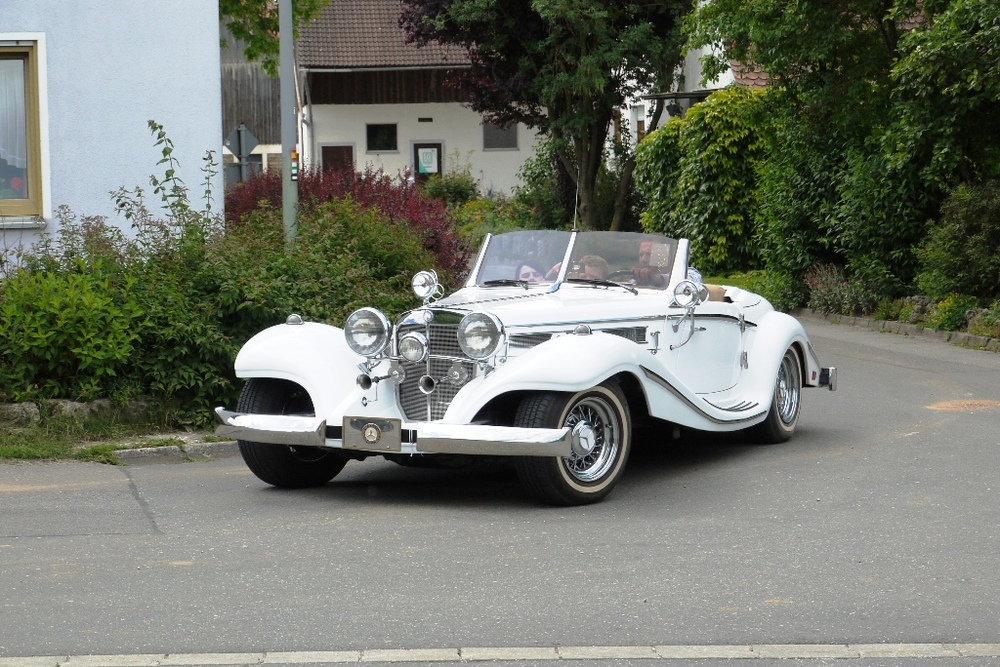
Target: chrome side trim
{"x": 624, "y": 321}
{"x": 272, "y": 429}
{"x": 742, "y": 406}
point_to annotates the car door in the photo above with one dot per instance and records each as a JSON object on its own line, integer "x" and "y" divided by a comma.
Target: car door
{"x": 707, "y": 348}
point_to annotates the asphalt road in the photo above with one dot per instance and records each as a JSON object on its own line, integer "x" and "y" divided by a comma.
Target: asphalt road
{"x": 871, "y": 538}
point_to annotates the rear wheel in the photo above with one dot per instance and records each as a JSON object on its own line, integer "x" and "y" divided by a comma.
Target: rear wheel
{"x": 602, "y": 436}
{"x": 785, "y": 403}
{"x": 280, "y": 465}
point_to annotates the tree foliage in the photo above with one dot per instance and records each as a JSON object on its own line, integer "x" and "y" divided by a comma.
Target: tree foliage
{"x": 255, "y": 24}
{"x": 883, "y": 107}
{"x": 698, "y": 173}
{"x": 561, "y": 66}
{"x": 948, "y": 95}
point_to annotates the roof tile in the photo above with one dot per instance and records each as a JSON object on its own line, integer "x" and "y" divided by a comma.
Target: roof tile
{"x": 365, "y": 34}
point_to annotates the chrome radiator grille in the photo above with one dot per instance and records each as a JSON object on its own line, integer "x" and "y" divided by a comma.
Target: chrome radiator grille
{"x": 444, "y": 351}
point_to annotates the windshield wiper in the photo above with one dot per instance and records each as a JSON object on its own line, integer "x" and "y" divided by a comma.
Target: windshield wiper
{"x": 600, "y": 282}
{"x": 506, "y": 281}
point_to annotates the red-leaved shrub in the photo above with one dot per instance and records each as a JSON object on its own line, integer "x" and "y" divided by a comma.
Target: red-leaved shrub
{"x": 397, "y": 199}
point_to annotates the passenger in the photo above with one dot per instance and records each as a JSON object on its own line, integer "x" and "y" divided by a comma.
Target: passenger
{"x": 528, "y": 271}
{"x": 594, "y": 267}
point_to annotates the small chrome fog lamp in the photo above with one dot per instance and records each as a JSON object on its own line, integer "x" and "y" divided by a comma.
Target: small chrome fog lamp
{"x": 686, "y": 294}
{"x": 413, "y": 347}
{"x": 479, "y": 335}
{"x": 367, "y": 332}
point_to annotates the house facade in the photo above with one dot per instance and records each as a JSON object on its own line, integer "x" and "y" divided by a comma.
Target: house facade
{"x": 369, "y": 99}
{"x": 79, "y": 83}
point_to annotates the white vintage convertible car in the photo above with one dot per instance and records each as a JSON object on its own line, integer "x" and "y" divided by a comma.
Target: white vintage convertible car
{"x": 558, "y": 345}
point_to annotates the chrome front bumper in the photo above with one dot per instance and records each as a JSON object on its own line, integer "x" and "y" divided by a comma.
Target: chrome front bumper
{"x": 387, "y": 436}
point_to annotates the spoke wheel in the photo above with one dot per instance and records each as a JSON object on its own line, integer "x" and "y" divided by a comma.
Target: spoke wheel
{"x": 783, "y": 416}
{"x": 279, "y": 465}
{"x": 598, "y": 419}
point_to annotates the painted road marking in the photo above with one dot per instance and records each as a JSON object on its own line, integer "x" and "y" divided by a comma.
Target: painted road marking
{"x": 519, "y": 654}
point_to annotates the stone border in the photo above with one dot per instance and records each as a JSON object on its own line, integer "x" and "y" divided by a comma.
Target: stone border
{"x": 193, "y": 449}
{"x": 959, "y": 338}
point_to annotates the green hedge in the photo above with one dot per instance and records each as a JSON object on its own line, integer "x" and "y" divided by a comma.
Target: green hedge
{"x": 89, "y": 314}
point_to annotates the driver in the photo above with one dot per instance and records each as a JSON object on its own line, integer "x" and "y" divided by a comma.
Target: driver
{"x": 645, "y": 274}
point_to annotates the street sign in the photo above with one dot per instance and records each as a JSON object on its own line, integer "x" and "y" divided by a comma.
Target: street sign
{"x": 241, "y": 143}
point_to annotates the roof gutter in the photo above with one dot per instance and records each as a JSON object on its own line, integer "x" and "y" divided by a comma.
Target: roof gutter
{"x": 348, "y": 70}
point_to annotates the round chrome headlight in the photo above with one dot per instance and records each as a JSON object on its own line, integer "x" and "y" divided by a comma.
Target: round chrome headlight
{"x": 479, "y": 335}
{"x": 424, "y": 284}
{"x": 367, "y": 332}
{"x": 413, "y": 347}
{"x": 686, "y": 294}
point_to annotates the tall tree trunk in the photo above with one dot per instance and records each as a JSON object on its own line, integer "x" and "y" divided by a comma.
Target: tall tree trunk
{"x": 584, "y": 165}
{"x": 628, "y": 170}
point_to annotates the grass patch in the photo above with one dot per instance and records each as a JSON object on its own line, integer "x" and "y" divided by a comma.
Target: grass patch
{"x": 61, "y": 438}
{"x": 99, "y": 454}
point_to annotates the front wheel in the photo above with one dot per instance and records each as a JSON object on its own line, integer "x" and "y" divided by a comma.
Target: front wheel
{"x": 279, "y": 465}
{"x": 602, "y": 436}
{"x": 783, "y": 415}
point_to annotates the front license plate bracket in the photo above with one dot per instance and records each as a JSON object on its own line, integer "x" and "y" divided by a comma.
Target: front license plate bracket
{"x": 373, "y": 434}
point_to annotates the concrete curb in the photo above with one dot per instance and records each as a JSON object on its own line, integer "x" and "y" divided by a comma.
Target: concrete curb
{"x": 193, "y": 449}
{"x": 958, "y": 338}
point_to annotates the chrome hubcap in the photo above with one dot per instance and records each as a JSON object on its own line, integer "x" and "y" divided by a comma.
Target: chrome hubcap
{"x": 786, "y": 391}
{"x": 596, "y": 439}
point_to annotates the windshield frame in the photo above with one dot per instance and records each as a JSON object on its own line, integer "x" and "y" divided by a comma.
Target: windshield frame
{"x": 497, "y": 265}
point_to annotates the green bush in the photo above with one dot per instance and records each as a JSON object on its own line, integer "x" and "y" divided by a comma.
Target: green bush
{"x": 890, "y": 310}
{"x": 63, "y": 335}
{"x": 951, "y": 313}
{"x": 344, "y": 257}
{"x": 781, "y": 289}
{"x": 831, "y": 292}
{"x": 91, "y": 313}
{"x": 454, "y": 188}
{"x": 546, "y": 193}
{"x": 986, "y": 321}
{"x": 795, "y": 188}
{"x": 961, "y": 253}
{"x": 698, "y": 175}
{"x": 495, "y": 215}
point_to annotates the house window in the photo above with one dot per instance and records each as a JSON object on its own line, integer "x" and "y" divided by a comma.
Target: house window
{"x": 382, "y": 138}
{"x": 20, "y": 140}
{"x": 498, "y": 137}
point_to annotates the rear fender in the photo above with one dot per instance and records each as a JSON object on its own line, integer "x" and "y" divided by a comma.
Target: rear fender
{"x": 776, "y": 332}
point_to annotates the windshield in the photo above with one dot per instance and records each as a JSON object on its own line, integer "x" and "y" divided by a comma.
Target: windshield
{"x": 537, "y": 256}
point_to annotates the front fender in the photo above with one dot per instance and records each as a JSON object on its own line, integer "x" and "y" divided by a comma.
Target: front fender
{"x": 315, "y": 356}
{"x": 564, "y": 363}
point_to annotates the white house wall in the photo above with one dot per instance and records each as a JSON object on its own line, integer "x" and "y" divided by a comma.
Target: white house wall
{"x": 109, "y": 67}
{"x": 458, "y": 128}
